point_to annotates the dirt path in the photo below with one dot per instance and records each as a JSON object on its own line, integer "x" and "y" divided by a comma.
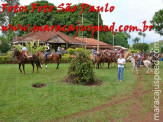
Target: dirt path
{"x": 136, "y": 108}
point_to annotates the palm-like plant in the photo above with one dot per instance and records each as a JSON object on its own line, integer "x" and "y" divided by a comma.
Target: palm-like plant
{"x": 128, "y": 36}
{"x": 144, "y": 35}
{"x": 136, "y": 40}
{"x": 140, "y": 34}
{"x": 32, "y": 47}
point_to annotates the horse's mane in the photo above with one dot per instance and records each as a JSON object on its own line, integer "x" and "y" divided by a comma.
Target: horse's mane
{"x": 127, "y": 54}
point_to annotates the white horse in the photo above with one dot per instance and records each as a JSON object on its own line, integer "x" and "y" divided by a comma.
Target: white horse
{"x": 147, "y": 64}
{"x": 134, "y": 66}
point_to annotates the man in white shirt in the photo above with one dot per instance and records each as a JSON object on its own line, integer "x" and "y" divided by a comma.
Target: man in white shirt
{"x": 121, "y": 63}
{"x": 24, "y": 51}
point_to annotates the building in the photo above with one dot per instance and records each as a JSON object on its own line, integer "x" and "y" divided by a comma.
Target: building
{"x": 52, "y": 37}
{"x": 92, "y": 43}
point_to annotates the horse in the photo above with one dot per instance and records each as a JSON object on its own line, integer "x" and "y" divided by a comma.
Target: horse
{"x": 134, "y": 64}
{"x": 110, "y": 58}
{"x": 53, "y": 57}
{"x": 114, "y": 58}
{"x": 99, "y": 58}
{"x": 133, "y": 60}
{"x": 22, "y": 60}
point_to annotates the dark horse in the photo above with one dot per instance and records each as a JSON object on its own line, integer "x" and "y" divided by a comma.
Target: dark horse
{"x": 22, "y": 60}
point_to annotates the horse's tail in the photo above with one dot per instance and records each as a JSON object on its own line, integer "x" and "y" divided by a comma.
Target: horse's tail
{"x": 38, "y": 62}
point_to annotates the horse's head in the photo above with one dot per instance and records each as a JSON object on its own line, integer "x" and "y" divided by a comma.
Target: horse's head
{"x": 39, "y": 53}
{"x": 129, "y": 58}
{"x": 16, "y": 53}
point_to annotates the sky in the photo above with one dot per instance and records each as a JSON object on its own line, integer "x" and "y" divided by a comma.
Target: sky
{"x": 126, "y": 12}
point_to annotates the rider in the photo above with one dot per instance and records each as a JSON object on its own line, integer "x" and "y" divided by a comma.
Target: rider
{"x": 94, "y": 53}
{"x": 24, "y": 51}
{"x": 59, "y": 50}
{"x": 47, "y": 51}
{"x": 139, "y": 60}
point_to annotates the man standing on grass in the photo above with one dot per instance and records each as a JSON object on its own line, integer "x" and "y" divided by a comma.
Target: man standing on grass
{"x": 121, "y": 63}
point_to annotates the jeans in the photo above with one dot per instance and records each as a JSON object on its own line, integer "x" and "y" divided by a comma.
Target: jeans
{"x": 46, "y": 53}
{"x": 120, "y": 73}
{"x": 139, "y": 62}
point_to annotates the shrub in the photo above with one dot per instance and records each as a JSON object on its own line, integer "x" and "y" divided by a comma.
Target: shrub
{"x": 66, "y": 58}
{"x": 161, "y": 50}
{"x": 4, "y": 59}
{"x": 71, "y": 51}
{"x": 80, "y": 70}
{"x": 134, "y": 51}
{"x": 141, "y": 46}
{"x": 79, "y": 50}
{"x": 4, "y": 47}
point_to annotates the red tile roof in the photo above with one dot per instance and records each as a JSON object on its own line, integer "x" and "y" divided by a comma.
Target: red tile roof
{"x": 45, "y": 36}
{"x": 91, "y": 43}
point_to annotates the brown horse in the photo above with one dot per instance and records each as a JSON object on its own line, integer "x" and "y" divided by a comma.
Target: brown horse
{"x": 22, "y": 60}
{"x": 111, "y": 58}
{"x": 53, "y": 57}
{"x": 98, "y": 60}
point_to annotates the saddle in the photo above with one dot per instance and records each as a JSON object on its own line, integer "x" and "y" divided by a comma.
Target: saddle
{"x": 27, "y": 55}
{"x": 50, "y": 54}
{"x": 30, "y": 55}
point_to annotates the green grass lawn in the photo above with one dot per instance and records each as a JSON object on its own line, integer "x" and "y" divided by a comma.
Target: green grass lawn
{"x": 19, "y": 101}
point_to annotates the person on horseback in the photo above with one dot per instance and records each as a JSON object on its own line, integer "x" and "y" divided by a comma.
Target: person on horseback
{"x": 59, "y": 50}
{"x": 25, "y": 51}
{"x": 47, "y": 52}
{"x": 94, "y": 53}
{"x": 139, "y": 57}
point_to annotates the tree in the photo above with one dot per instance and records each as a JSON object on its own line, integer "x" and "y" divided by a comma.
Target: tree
{"x": 35, "y": 18}
{"x": 141, "y": 46}
{"x": 4, "y": 47}
{"x": 119, "y": 38}
{"x": 6, "y": 17}
{"x": 128, "y": 36}
{"x": 157, "y": 22}
{"x": 80, "y": 70}
{"x": 140, "y": 34}
{"x": 66, "y": 18}
{"x": 136, "y": 40}
{"x": 144, "y": 35}
{"x": 57, "y": 18}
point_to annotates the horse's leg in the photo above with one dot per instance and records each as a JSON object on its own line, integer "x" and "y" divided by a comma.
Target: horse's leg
{"x": 41, "y": 64}
{"x": 133, "y": 69}
{"x": 32, "y": 66}
{"x": 136, "y": 70}
{"x": 57, "y": 64}
{"x": 103, "y": 64}
{"x": 37, "y": 67}
{"x": 108, "y": 64}
{"x": 23, "y": 68}
{"x": 20, "y": 68}
{"x": 100, "y": 65}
